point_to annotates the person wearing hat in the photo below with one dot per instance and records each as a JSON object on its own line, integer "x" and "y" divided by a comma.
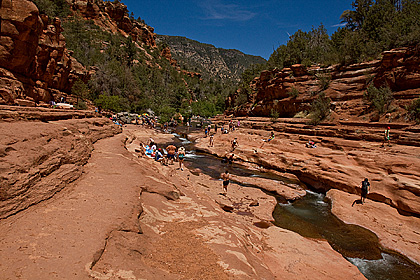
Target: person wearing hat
{"x": 386, "y": 137}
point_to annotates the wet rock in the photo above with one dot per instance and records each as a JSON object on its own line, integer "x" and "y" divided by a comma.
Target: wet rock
{"x": 263, "y": 224}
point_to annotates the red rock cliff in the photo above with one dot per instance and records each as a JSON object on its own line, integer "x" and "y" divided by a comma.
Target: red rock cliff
{"x": 114, "y": 18}
{"x": 34, "y": 62}
{"x": 399, "y": 69}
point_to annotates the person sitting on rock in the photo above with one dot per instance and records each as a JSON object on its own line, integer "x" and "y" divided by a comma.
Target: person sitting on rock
{"x": 269, "y": 139}
{"x": 228, "y": 158}
{"x": 158, "y": 155}
{"x": 310, "y": 144}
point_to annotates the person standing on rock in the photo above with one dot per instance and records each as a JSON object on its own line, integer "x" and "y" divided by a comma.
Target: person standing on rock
{"x": 181, "y": 156}
{"x": 386, "y": 137}
{"x": 225, "y": 176}
{"x": 171, "y": 153}
{"x": 365, "y": 189}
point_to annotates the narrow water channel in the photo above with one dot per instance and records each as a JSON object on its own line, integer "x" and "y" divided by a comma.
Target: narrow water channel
{"x": 311, "y": 217}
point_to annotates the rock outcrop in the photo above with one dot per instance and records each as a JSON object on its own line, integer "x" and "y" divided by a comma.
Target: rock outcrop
{"x": 35, "y": 65}
{"x": 347, "y": 152}
{"x": 291, "y": 90}
{"x": 114, "y": 17}
{"x": 38, "y": 158}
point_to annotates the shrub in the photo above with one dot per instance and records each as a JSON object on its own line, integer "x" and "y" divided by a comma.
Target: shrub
{"x": 53, "y": 8}
{"x": 301, "y": 114}
{"x": 323, "y": 81}
{"x": 320, "y": 108}
{"x": 274, "y": 114}
{"x": 413, "y": 110}
{"x": 293, "y": 93}
{"x": 112, "y": 103}
{"x": 80, "y": 90}
{"x": 81, "y": 105}
{"x": 380, "y": 98}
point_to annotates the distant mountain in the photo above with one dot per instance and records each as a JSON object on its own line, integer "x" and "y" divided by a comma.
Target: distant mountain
{"x": 207, "y": 59}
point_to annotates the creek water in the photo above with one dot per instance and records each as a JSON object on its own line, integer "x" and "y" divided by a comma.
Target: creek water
{"x": 311, "y": 217}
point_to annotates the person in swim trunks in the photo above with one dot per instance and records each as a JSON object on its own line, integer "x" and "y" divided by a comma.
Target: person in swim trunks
{"x": 171, "y": 153}
{"x": 225, "y": 176}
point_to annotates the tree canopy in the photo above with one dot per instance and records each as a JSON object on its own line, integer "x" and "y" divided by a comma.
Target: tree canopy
{"x": 370, "y": 28}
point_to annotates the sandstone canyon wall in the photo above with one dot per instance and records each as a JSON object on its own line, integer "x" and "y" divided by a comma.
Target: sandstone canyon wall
{"x": 35, "y": 65}
{"x": 399, "y": 69}
{"x": 114, "y": 17}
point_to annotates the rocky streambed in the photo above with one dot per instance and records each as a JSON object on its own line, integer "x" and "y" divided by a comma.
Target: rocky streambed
{"x": 336, "y": 167}
{"x": 129, "y": 217}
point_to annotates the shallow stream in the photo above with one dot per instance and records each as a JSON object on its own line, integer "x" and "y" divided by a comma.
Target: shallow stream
{"x": 311, "y": 217}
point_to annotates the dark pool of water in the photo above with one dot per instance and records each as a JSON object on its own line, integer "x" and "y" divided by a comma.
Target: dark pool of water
{"x": 311, "y": 217}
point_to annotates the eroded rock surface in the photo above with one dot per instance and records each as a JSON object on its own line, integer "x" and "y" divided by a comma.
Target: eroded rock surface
{"x": 118, "y": 222}
{"x": 396, "y": 232}
{"x": 38, "y": 159}
{"x": 346, "y": 154}
{"x": 345, "y": 85}
{"x": 35, "y": 65}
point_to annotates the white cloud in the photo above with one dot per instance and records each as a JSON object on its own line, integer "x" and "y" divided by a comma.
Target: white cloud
{"x": 339, "y": 25}
{"x": 216, "y": 10}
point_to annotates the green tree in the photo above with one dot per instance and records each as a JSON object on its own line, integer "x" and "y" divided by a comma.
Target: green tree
{"x": 380, "y": 98}
{"x": 80, "y": 90}
{"x": 320, "y": 108}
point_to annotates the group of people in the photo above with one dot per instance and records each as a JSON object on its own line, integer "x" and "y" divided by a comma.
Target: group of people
{"x": 166, "y": 156}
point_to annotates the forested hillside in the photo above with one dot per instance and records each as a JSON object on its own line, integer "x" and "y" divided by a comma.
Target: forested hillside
{"x": 129, "y": 71}
{"x": 226, "y": 64}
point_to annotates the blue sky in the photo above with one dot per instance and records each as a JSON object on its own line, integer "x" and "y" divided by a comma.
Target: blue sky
{"x": 253, "y": 27}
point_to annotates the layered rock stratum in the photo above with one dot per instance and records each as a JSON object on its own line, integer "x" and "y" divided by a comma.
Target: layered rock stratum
{"x": 398, "y": 69}
{"x": 35, "y": 65}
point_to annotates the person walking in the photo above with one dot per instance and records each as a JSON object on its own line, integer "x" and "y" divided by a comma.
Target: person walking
{"x": 386, "y": 137}
{"x": 211, "y": 144}
{"x": 365, "y": 189}
{"x": 225, "y": 177}
{"x": 234, "y": 144}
